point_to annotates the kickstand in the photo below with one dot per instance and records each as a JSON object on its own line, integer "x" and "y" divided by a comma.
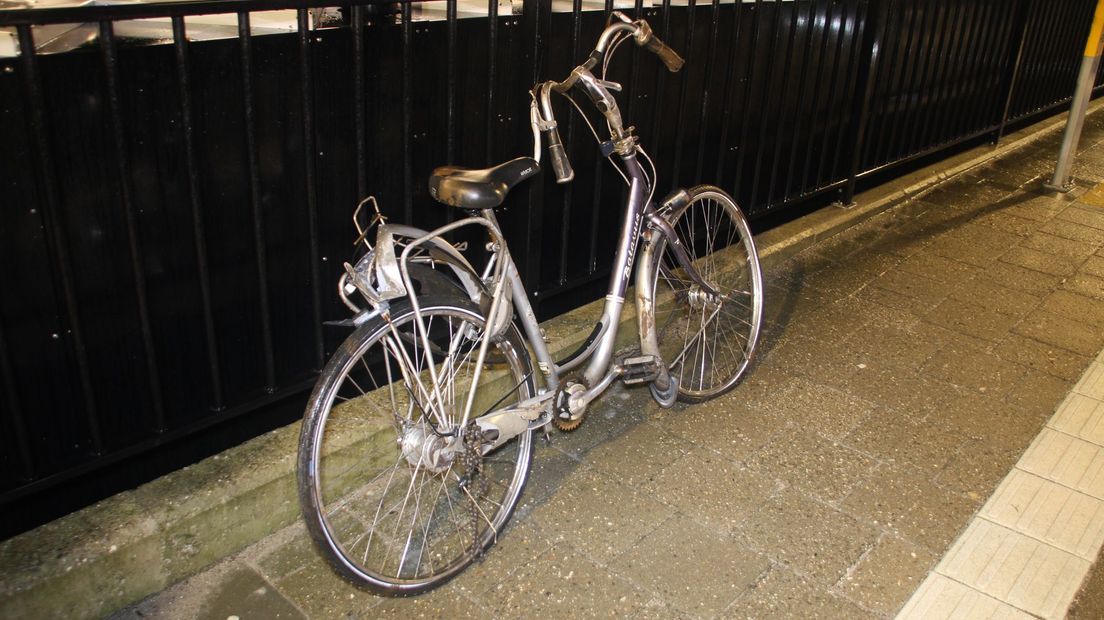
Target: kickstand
{"x": 547, "y": 434}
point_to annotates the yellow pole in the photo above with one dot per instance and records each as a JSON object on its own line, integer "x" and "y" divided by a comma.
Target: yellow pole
{"x": 1089, "y": 65}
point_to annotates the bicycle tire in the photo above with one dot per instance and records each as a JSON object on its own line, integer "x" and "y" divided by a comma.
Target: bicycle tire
{"x": 693, "y": 328}
{"x": 352, "y": 462}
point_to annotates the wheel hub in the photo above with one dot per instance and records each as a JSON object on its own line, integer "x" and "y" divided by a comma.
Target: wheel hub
{"x": 424, "y": 448}
{"x": 700, "y": 299}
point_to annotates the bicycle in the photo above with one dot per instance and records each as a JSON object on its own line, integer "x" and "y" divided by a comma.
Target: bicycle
{"x": 418, "y": 437}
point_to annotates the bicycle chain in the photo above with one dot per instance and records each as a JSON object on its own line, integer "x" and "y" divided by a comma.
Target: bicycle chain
{"x": 476, "y": 484}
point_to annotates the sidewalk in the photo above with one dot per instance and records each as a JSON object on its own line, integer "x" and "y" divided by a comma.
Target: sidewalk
{"x": 906, "y": 365}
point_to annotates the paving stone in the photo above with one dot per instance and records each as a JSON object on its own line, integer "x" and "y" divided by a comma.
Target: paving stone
{"x": 640, "y": 455}
{"x": 1081, "y": 416}
{"x": 808, "y": 537}
{"x": 781, "y": 593}
{"x": 819, "y": 408}
{"x": 837, "y": 282}
{"x": 1067, "y": 460}
{"x": 600, "y": 515}
{"x": 1022, "y": 279}
{"x": 923, "y": 288}
{"x": 932, "y": 265}
{"x": 975, "y": 243}
{"x": 1042, "y": 262}
{"x": 731, "y": 427}
{"x": 886, "y": 576}
{"x": 973, "y": 369}
{"x": 1084, "y": 284}
{"x": 896, "y": 301}
{"x": 1086, "y": 216}
{"x": 972, "y": 319}
{"x": 1075, "y": 231}
{"x": 829, "y": 322}
{"x": 723, "y": 493}
{"x": 698, "y": 570}
{"x": 943, "y": 597}
{"x": 977, "y": 468}
{"x": 896, "y": 388}
{"x": 1008, "y": 223}
{"x": 1043, "y": 357}
{"x": 1030, "y": 575}
{"x": 551, "y": 466}
{"x": 807, "y": 461}
{"x": 231, "y": 590}
{"x": 1034, "y": 207}
{"x": 1061, "y": 332}
{"x": 985, "y": 417}
{"x": 1094, "y": 266}
{"x": 888, "y": 493}
{"x": 523, "y": 540}
{"x": 907, "y": 348}
{"x": 981, "y": 290}
{"x": 562, "y": 583}
{"x": 823, "y": 361}
{"x": 1077, "y": 307}
{"x": 1049, "y": 512}
{"x": 1092, "y": 383}
{"x": 1037, "y": 393}
{"x": 902, "y": 438}
{"x": 444, "y": 603}
{"x": 1075, "y": 251}
{"x": 320, "y": 593}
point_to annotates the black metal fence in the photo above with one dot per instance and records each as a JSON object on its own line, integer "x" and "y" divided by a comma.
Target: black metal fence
{"x": 175, "y": 213}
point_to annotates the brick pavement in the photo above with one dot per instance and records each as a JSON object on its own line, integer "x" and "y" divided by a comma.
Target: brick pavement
{"x": 906, "y": 364}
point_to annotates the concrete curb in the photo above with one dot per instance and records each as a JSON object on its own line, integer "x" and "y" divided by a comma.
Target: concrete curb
{"x": 121, "y": 550}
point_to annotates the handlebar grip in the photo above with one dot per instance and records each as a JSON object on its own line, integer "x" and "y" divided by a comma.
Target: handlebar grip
{"x": 669, "y": 57}
{"x": 560, "y": 164}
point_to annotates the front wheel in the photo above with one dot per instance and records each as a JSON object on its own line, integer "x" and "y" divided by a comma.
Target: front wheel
{"x": 708, "y": 338}
{"x": 394, "y": 490}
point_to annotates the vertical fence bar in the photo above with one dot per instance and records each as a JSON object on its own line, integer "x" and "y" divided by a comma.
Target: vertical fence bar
{"x": 887, "y": 134}
{"x": 450, "y": 93}
{"x": 184, "y": 90}
{"x": 898, "y": 138}
{"x": 749, "y": 86}
{"x": 246, "y": 53}
{"x": 788, "y": 66}
{"x": 359, "y": 122}
{"x": 568, "y": 189}
{"x": 306, "y": 83}
{"x": 535, "y": 17}
{"x": 847, "y": 31}
{"x": 710, "y": 67}
{"x": 730, "y": 89}
{"x": 56, "y": 238}
{"x": 860, "y": 25}
{"x": 596, "y": 201}
{"x": 661, "y": 75}
{"x": 974, "y": 70}
{"x": 891, "y": 61}
{"x": 950, "y": 47}
{"x": 767, "y": 91}
{"x": 680, "y": 116}
{"x": 407, "y": 112}
{"x": 15, "y": 409}
{"x": 492, "y": 66}
{"x": 868, "y": 62}
{"x": 122, "y": 170}
{"x": 829, "y": 92}
{"x": 817, "y": 98}
{"x": 1019, "y": 31}
{"x": 799, "y": 104}
{"x": 954, "y": 79}
{"x": 927, "y": 62}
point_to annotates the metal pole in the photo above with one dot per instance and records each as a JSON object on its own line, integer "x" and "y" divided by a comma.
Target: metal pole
{"x": 1089, "y": 65}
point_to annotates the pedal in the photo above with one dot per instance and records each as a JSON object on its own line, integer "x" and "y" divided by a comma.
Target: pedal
{"x": 639, "y": 369}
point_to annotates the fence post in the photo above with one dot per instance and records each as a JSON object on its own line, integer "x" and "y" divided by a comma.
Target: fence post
{"x": 535, "y": 15}
{"x": 873, "y": 22}
{"x": 1012, "y": 74}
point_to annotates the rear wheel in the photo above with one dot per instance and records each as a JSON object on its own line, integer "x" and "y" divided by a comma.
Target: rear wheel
{"x": 393, "y": 490}
{"x": 708, "y": 339}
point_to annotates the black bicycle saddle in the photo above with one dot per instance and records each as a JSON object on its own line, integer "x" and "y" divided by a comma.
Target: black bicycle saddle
{"x": 484, "y": 188}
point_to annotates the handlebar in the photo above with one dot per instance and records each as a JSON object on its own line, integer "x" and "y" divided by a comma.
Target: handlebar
{"x": 597, "y": 90}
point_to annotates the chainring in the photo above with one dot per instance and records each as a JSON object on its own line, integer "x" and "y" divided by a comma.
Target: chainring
{"x": 562, "y": 418}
